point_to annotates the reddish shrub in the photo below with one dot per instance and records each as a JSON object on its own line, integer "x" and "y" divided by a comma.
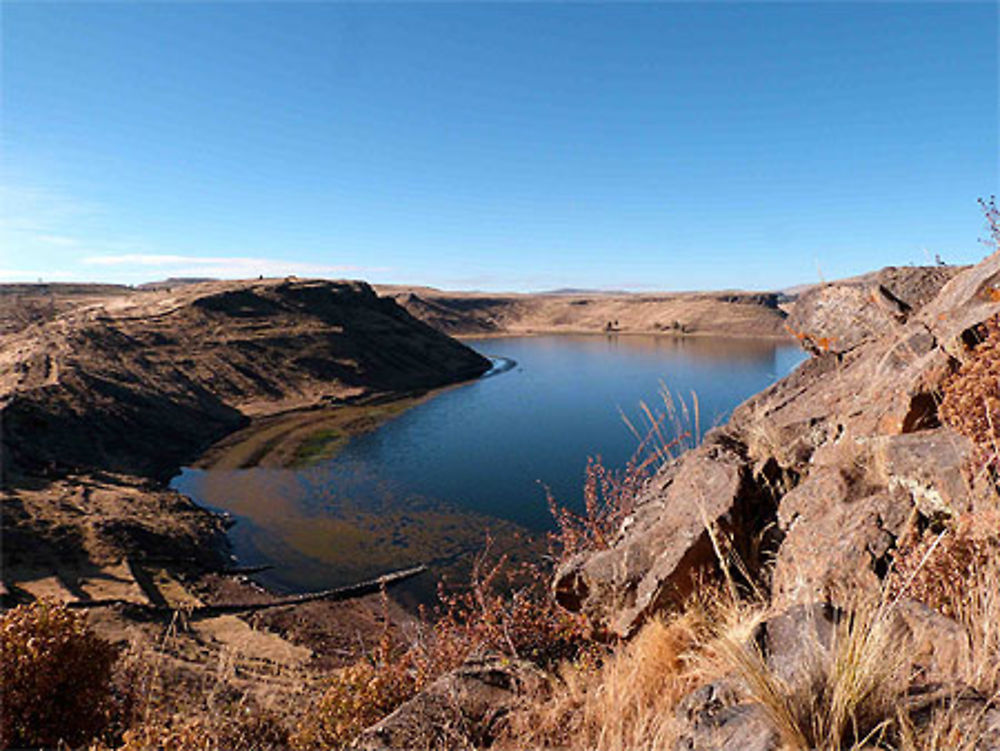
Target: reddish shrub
{"x": 971, "y": 397}
{"x": 56, "y": 677}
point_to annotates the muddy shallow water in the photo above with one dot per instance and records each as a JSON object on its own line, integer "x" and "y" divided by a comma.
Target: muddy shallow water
{"x": 428, "y": 484}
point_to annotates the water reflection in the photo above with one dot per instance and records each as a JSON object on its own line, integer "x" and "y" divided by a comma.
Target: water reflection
{"x": 426, "y": 486}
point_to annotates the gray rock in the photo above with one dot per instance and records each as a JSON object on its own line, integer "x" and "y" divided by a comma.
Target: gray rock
{"x": 711, "y": 719}
{"x": 462, "y": 709}
{"x": 841, "y": 454}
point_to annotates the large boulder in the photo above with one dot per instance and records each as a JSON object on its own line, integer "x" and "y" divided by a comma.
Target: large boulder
{"x": 665, "y": 543}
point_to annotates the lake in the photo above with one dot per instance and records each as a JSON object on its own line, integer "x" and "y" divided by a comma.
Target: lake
{"x": 428, "y": 484}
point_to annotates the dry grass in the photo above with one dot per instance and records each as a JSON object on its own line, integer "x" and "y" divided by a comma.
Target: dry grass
{"x": 624, "y": 702}
{"x": 843, "y": 696}
{"x": 163, "y": 706}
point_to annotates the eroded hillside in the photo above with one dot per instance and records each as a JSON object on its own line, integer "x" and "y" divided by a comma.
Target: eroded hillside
{"x": 140, "y": 383}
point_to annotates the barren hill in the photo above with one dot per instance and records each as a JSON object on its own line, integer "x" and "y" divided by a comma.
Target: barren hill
{"x": 471, "y": 313}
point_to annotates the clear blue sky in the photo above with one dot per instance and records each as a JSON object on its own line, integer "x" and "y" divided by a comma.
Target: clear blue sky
{"x": 495, "y": 146}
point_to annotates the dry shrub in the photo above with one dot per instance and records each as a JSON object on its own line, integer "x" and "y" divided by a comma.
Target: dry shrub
{"x": 506, "y": 608}
{"x": 56, "y": 677}
{"x": 608, "y": 496}
{"x": 938, "y": 569}
{"x": 992, "y": 215}
{"x": 958, "y": 723}
{"x": 509, "y": 608}
{"x": 971, "y": 397}
{"x": 360, "y": 695}
{"x": 242, "y": 727}
{"x": 957, "y": 573}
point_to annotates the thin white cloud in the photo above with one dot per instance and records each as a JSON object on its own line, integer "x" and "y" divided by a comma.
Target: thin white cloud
{"x": 223, "y": 266}
{"x": 18, "y": 275}
{"x": 41, "y": 212}
{"x": 61, "y": 241}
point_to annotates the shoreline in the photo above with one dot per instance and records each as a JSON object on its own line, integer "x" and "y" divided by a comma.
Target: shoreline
{"x": 508, "y": 334}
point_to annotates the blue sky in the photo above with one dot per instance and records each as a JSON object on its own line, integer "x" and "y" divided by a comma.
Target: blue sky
{"x": 495, "y": 146}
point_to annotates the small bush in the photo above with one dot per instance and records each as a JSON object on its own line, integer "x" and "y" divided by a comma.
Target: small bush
{"x": 505, "y": 608}
{"x": 241, "y": 728}
{"x": 509, "y": 608}
{"x": 359, "y": 696}
{"x": 56, "y": 677}
{"x": 608, "y": 496}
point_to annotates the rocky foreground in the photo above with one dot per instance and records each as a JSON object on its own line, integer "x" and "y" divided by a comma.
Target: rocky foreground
{"x": 828, "y": 464}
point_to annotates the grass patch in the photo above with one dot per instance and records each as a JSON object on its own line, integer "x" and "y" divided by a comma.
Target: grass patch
{"x": 323, "y": 444}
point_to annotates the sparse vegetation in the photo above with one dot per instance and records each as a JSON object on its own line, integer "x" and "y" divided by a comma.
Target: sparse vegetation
{"x": 360, "y": 695}
{"x": 625, "y": 701}
{"x": 319, "y": 445}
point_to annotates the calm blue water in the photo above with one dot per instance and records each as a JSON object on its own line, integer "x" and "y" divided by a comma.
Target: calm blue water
{"x": 429, "y": 482}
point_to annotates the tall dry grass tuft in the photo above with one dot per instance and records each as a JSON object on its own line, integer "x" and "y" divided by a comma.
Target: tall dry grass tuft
{"x": 625, "y": 701}
{"x": 855, "y": 692}
{"x": 664, "y": 434}
{"x": 609, "y": 496}
{"x": 841, "y": 696}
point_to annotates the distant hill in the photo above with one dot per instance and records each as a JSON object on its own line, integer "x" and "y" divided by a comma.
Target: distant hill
{"x": 175, "y": 281}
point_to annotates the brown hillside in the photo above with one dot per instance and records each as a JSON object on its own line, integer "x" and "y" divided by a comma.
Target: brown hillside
{"x": 140, "y": 383}
{"x": 472, "y": 313}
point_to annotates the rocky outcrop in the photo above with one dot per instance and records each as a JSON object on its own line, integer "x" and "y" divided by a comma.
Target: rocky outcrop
{"x": 665, "y": 542}
{"x": 839, "y": 316}
{"x": 841, "y": 454}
